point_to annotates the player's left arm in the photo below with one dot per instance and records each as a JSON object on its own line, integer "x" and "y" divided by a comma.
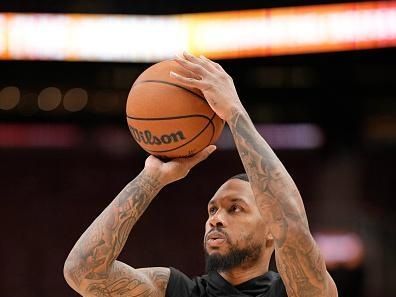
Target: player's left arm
{"x": 299, "y": 260}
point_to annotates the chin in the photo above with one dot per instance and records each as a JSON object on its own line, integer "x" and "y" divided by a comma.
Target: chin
{"x": 215, "y": 250}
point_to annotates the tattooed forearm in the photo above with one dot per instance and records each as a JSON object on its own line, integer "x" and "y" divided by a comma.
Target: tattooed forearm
{"x": 298, "y": 258}
{"x": 302, "y": 267}
{"x": 275, "y": 191}
{"x": 103, "y": 241}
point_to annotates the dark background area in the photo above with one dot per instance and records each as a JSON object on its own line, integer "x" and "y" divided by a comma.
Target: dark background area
{"x": 151, "y": 7}
{"x": 49, "y": 196}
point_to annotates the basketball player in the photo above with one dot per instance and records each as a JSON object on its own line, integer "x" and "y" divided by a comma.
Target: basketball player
{"x": 249, "y": 217}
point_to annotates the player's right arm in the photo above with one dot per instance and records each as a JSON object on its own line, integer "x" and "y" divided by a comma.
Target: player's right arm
{"x": 91, "y": 268}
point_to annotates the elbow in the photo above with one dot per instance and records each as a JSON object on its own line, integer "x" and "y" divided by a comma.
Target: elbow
{"x": 70, "y": 273}
{"x": 68, "y": 266}
{"x": 67, "y": 270}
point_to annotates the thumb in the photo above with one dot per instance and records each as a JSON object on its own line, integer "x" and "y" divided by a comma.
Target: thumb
{"x": 202, "y": 155}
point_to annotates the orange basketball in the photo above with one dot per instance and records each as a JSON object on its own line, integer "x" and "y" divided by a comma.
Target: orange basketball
{"x": 167, "y": 119}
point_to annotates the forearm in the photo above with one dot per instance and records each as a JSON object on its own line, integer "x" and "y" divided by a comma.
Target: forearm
{"x": 275, "y": 192}
{"x": 102, "y": 242}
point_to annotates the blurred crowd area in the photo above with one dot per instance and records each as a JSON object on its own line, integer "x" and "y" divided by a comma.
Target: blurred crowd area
{"x": 66, "y": 152}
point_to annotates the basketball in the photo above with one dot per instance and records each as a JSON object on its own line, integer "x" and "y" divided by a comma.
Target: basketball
{"x": 167, "y": 119}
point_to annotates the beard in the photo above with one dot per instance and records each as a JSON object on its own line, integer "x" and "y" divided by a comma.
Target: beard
{"x": 234, "y": 258}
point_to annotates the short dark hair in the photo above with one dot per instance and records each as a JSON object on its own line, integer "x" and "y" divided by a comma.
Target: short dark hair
{"x": 241, "y": 176}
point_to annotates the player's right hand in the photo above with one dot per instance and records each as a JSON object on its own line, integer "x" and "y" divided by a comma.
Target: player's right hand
{"x": 175, "y": 169}
{"x": 211, "y": 79}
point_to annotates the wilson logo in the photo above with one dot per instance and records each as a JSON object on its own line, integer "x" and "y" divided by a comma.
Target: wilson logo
{"x": 148, "y": 138}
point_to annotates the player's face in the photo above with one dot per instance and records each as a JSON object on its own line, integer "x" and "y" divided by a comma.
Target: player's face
{"x": 234, "y": 221}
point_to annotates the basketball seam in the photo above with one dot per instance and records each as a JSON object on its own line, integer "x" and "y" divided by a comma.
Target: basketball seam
{"x": 214, "y": 125}
{"x": 172, "y": 84}
{"x": 214, "y": 129}
{"x": 209, "y": 123}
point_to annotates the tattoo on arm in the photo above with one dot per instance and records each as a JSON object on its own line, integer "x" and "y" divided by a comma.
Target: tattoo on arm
{"x": 299, "y": 260}
{"x": 302, "y": 267}
{"x": 275, "y": 191}
{"x": 102, "y": 242}
{"x": 144, "y": 282}
{"x": 124, "y": 281}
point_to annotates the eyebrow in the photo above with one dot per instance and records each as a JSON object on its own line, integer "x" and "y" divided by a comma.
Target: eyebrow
{"x": 211, "y": 202}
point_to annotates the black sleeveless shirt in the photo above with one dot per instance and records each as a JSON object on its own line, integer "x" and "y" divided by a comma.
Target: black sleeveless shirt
{"x": 214, "y": 285}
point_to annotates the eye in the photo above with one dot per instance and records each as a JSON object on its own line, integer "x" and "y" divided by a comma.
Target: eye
{"x": 212, "y": 210}
{"x": 235, "y": 208}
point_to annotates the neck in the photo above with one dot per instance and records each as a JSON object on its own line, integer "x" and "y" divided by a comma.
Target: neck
{"x": 241, "y": 274}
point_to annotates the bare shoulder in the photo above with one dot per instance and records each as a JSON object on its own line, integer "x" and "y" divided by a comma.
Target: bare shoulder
{"x": 123, "y": 280}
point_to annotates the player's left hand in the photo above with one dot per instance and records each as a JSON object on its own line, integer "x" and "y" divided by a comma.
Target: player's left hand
{"x": 211, "y": 79}
{"x": 175, "y": 169}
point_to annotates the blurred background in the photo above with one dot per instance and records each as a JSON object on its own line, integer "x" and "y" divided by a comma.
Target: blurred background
{"x": 317, "y": 77}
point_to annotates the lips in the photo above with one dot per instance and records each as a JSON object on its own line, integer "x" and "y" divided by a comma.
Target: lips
{"x": 215, "y": 235}
{"x": 215, "y": 239}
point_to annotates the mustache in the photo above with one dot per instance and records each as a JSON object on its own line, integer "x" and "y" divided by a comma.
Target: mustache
{"x": 218, "y": 230}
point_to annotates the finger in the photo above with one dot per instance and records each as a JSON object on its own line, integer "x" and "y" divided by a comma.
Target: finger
{"x": 195, "y": 68}
{"x": 152, "y": 161}
{"x": 152, "y": 158}
{"x": 202, "y": 155}
{"x": 192, "y": 74}
{"x": 188, "y": 81}
{"x": 211, "y": 63}
{"x": 189, "y": 73}
{"x": 200, "y": 61}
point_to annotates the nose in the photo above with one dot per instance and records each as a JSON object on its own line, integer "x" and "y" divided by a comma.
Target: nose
{"x": 216, "y": 220}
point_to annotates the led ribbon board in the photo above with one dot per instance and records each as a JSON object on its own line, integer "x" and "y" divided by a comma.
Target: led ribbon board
{"x": 237, "y": 34}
